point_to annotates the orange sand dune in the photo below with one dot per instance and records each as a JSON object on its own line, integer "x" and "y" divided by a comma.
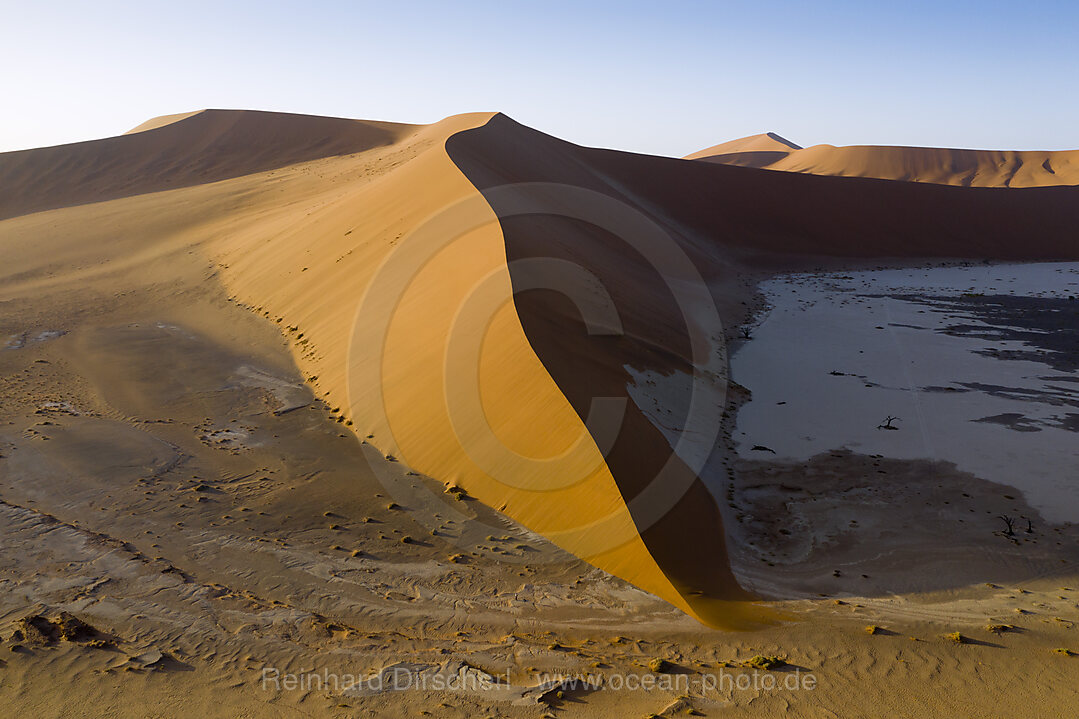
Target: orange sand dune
{"x": 721, "y": 218}
{"x": 968, "y": 168}
{"x": 302, "y": 245}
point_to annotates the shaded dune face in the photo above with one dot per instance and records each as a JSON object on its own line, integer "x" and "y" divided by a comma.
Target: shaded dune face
{"x": 680, "y": 525}
{"x": 721, "y": 218}
{"x": 678, "y": 518}
{"x": 751, "y": 158}
{"x": 761, "y": 215}
{"x": 197, "y": 148}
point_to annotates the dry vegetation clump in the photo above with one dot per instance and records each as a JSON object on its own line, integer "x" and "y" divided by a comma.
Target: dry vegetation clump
{"x": 765, "y": 661}
{"x": 659, "y": 666}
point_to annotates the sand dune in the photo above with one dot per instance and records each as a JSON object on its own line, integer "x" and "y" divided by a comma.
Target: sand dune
{"x": 722, "y": 215}
{"x": 765, "y": 142}
{"x": 319, "y": 211}
{"x": 155, "y": 122}
{"x": 247, "y": 353}
{"x": 753, "y": 151}
{"x": 305, "y": 263}
{"x": 733, "y": 217}
{"x": 178, "y": 151}
{"x": 942, "y": 166}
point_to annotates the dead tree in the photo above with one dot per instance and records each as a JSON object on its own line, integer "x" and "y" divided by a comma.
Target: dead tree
{"x": 1030, "y": 527}
{"x": 887, "y": 423}
{"x": 746, "y": 332}
{"x": 1009, "y": 522}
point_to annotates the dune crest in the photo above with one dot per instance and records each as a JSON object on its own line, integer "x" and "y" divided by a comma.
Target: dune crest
{"x": 155, "y": 122}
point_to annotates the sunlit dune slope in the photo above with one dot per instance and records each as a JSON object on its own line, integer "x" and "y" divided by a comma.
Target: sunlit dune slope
{"x": 942, "y": 166}
{"x": 328, "y": 249}
{"x": 155, "y": 122}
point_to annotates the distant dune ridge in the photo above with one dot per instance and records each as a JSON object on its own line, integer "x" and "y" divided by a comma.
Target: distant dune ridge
{"x": 178, "y": 151}
{"x": 753, "y": 151}
{"x": 297, "y": 217}
{"x": 941, "y": 166}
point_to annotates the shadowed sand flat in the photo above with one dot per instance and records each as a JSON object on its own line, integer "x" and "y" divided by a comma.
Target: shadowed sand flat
{"x": 941, "y": 166}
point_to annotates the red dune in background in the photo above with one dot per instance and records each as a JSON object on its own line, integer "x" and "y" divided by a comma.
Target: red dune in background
{"x": 936, "y": 165}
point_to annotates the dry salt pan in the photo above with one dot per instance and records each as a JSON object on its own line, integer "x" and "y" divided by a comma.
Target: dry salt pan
{"x": 976, "y": 365}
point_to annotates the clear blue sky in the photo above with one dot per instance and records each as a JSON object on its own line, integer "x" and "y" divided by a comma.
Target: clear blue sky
{"x": 659, "y": 77}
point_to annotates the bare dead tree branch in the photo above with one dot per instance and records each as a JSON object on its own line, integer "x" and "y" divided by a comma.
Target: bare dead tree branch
{"x": 1010, "y": 523}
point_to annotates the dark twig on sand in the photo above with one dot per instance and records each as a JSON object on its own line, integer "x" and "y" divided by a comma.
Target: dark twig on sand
{"x": 887, "y": 423}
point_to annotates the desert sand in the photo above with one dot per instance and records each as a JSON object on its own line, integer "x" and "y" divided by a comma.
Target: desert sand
{"x": 285, "y": 395}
